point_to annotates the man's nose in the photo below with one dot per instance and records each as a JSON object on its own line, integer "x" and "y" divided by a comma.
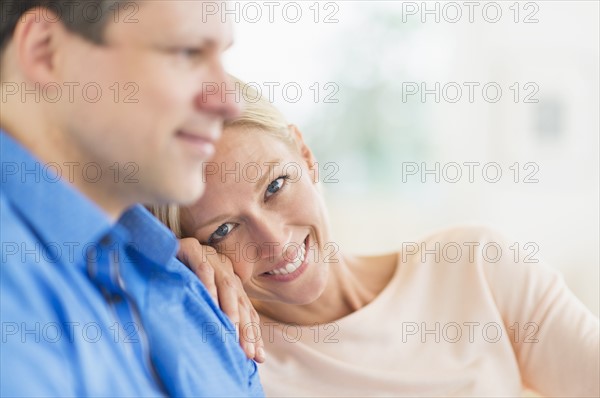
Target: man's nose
{"x": 219, "y": 95}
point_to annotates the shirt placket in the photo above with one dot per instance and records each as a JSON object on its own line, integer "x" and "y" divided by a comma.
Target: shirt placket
{"x": 103, "y": 267}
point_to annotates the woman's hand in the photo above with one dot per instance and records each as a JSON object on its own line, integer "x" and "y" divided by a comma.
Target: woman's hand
{"x": 215, "y": 271}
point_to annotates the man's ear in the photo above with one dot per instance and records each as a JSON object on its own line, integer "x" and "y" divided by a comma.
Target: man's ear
{"x": 35, "y": 44}
{"x": 305, "y": 152}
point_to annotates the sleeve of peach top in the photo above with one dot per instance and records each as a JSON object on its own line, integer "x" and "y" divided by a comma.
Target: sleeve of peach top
{"x": 554, "y": 336}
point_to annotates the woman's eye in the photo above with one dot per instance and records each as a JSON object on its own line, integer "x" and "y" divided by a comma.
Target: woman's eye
{"x": 275, "y": 186}
{"x": 221, "y": 232}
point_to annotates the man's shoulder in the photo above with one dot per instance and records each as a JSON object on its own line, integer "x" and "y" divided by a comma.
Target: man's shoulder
{"x": 13, "y": 227}
{"x": 20, "y": 246}
{"x": 30, "y": 273}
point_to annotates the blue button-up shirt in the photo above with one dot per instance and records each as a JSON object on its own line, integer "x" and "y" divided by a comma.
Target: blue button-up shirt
{"x": 89, "y": 307}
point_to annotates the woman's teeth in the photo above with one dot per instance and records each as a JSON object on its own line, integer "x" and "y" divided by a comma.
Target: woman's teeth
{"x": 293, "y": 266}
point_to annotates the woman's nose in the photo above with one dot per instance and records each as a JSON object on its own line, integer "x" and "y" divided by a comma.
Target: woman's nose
{"x": 272, "y": 236}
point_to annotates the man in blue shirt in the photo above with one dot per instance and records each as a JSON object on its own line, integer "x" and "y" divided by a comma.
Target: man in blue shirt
{"x": 106, "y": 104}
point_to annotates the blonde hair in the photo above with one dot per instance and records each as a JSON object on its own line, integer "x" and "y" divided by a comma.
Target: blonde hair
{"x": 257, "y": 114}
{"x": 170, "y": 216}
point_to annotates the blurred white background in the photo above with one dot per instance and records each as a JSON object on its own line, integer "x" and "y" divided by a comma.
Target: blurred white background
{"x": 356, "y": 62}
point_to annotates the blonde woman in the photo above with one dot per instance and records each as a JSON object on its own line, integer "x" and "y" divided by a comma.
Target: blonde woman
{"x": 411, "y": 323}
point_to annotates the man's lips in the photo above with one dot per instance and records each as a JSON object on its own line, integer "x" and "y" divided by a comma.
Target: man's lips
{"x": 203, "y": 145}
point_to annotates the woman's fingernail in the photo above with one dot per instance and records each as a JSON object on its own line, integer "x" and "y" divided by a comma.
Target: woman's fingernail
{"x": 261, "y": 353}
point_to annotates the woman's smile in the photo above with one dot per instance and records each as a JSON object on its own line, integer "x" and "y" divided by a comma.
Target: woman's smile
{"x": 287, "y": 271}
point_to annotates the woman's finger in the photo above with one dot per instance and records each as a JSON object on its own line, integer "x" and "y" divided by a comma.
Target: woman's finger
{"x": 225, "y": 287}
{"x": 228, "y": 295}
{"x": 259, "y": 345}
{"x": 206, "y": 274}
{"x": 247, "y": 336}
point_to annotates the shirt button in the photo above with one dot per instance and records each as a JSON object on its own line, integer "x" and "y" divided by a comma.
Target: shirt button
{"x": 106, "y": 240}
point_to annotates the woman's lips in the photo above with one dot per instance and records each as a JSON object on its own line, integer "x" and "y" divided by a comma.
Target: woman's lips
{"x": 201, "y": 145}
{"x": 293, "y": 269}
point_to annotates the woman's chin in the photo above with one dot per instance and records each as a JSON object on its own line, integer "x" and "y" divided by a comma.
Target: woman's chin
{"x": 305, "y": 300}
{"x": 304, "y": 297}
{"x": 306, "y": 294}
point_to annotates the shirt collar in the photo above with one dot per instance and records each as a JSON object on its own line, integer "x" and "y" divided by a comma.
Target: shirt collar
{"x": 148, "y": 236}
{"x": 57, "y": 212}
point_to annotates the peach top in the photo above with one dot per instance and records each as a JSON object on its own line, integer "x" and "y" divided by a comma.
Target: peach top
{"x": 489, "y": 325}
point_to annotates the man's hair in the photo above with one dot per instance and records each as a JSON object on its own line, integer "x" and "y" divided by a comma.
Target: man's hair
{"x": 87, "y": 18}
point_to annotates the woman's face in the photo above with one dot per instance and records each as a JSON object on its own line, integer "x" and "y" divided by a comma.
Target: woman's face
{"x": 263, "y": 210}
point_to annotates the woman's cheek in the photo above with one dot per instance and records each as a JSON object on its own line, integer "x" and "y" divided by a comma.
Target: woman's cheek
{"x": 307, "y": 202}
{"x": 246, "y": 259}
{"x": 243, "y": 269}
